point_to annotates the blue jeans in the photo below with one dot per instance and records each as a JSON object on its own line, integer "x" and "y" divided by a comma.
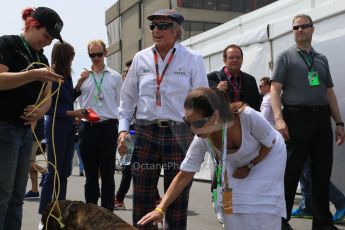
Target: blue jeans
{"x": 335, "y": 196}
{"x": 15, "y": 154}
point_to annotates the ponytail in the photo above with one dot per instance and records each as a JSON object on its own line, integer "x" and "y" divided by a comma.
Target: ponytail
{"x": 206, "y": 101}
{"x": 224, "y": 108}
{"x": 29, "y": 20}
{"x": 27, "y": 13}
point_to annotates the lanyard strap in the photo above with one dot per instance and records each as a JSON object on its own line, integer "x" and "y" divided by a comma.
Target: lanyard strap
{"x": 159, "y": 79}
{"x": 237, "y": 91}
{"x": 216, "y": 159}
{"x": 225, "y": 152}
{"x": 231, "y": 80}
{"x": 26, "y": 45}
{"x": 309, "y": 59}
{"x": 98, "y": 84}
{"x": 221, "y": 166}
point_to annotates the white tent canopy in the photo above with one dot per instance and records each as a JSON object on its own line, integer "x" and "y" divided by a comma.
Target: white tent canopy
{"x": 266, "y": 32}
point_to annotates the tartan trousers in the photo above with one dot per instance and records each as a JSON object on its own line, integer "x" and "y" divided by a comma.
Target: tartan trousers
{"x": 159, "y": 148}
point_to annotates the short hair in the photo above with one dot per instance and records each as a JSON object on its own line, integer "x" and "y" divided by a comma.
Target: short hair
{"x": 304, "y": 16}
{"x": 96, "y": 42}
{"x": 266, "y": 80}
{"x": 129, "y": 62}
{"x": 232, "y": 46}
{"x": 179, "y": 29}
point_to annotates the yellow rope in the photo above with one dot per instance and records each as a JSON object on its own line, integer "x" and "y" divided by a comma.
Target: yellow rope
{"x": 38, "y": 103}
{"x": 56, "y": 174}
{"x": 44, "y": 100}
{"x": 40, "y": 94}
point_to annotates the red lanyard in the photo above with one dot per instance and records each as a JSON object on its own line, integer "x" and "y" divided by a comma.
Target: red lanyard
{"x": 159, "y": 79}
{"x": 237, "y": 90}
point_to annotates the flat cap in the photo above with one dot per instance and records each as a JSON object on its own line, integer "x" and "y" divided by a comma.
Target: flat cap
{"x": 168, "y": 13}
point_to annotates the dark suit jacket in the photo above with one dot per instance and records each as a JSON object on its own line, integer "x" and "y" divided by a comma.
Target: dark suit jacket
{"x": 249, "y": 91}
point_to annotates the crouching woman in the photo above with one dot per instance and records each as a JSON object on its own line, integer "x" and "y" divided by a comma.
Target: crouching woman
{"x": 252, "y": 156}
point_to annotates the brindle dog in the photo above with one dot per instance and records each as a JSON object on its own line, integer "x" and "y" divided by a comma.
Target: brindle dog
{"x": 77, "y": 215}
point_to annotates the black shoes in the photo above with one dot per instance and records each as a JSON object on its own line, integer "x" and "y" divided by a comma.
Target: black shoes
{"x": 286, "y": 226}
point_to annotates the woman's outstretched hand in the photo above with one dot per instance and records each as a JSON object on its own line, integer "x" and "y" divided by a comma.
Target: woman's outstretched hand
{"x": 155, "y": 216}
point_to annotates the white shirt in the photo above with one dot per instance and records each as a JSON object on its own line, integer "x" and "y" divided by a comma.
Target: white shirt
{"x": 185, "y": 73}
{"x": 255, "y": 132}
{"x": 266, "y": 109}
{"x": 111, "y": 86}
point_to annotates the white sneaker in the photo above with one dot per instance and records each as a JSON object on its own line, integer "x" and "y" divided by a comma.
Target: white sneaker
{"x": 40, "y": 226}
{"x": 220, "y": 216}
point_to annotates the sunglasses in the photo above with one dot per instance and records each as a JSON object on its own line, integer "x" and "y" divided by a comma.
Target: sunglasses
{"x": 198, "y": 123}
{"x": 304, "y": 26}
{"x": 160, "y": 25}
{"x": 93, "y": 55}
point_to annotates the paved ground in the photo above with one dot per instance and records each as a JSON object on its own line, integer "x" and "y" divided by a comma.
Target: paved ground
{"x": 200, "y": 215}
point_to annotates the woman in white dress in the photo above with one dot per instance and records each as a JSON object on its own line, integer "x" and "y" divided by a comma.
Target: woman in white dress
{"x": 253, "y": 157}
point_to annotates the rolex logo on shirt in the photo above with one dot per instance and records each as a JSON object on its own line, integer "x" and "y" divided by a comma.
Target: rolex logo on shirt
{"x": 179, "y": 72}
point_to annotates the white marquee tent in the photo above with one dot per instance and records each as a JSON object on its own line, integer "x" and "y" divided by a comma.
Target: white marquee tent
{"x": 266, "y": 32}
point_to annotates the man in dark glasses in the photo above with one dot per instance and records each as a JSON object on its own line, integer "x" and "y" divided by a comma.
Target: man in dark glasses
{"x": 99, "y": 89}
{"x": 157, "y": 83}
{"x": 240, "y": 86}
{"x": 302, "y": 84}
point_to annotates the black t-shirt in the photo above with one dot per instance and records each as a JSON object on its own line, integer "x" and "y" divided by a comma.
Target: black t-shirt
{"x": 17, "y": 58}
{"x": 39, "y": 130}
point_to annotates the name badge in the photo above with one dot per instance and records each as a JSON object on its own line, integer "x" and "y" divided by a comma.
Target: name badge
{"x": 313, "y": 78}
{"x": 98, "y": 100}
{"x": 227, "y": 201}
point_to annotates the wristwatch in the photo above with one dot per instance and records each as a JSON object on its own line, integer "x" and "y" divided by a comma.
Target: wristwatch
{"x": 339, "y": 124}
{"x": 250, "y": 165}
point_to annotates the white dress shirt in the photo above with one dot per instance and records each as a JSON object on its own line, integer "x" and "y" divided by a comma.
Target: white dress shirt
{"x": 266, "y": 109}
{"x": 111, "y": 87}
{"x": 185, "y": 73}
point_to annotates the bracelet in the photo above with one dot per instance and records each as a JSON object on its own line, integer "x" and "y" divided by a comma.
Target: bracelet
{"x": 339, "y": 124}
{"x": 159, "y": 210}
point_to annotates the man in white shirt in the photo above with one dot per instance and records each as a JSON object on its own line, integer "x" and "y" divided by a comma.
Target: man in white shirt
{"x": 158, "y": 82}
{"x": 100, "y": 90}
{"x": 266, "y": 107}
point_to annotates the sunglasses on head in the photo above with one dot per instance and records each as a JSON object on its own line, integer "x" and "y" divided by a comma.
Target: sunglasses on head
{"x": 304, "y": 26}
{"x": 198, "y": 123}
{"x": 160, "y": 25}
{"x": 93, "y": 55}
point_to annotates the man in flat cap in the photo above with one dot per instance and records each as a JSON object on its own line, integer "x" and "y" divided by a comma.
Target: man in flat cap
{"x": 157, "y": 83}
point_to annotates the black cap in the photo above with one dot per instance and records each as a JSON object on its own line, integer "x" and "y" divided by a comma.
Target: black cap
{"x": 168, "y": 13}
{"x": 50, "y": 20}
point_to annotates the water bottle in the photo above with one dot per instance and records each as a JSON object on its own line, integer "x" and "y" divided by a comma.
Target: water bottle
{"x": 130, "y": 143}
